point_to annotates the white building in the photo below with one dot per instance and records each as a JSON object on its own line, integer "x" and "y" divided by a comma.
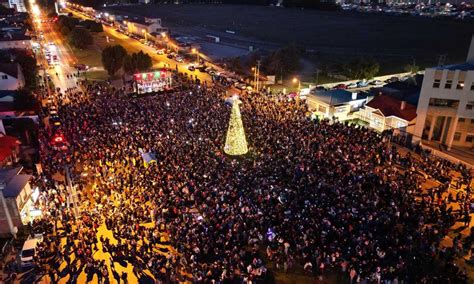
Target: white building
{"x": 15, "y": 200}
{"x": 144, "y": 27}
{"x": 385, "y": 112}
{"x": 11, "y": 76}
{"x": 445, "y": 112}
{"x": 339, "y": 104}
{"x": 15, "y": 41}
{"x": 18, "y": 5}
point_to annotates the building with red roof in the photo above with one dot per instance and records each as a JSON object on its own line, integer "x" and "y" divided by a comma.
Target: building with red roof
{"x": 386, "y": 112}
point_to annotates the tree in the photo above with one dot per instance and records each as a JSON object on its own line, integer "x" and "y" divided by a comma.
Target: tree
{"x": 285, "y": 60}
{"x": 411, "y": 68}
{"x": 28, "y": 67}
{"x": 24, "y": 100}
{"x": 137, "y": 62}
{"x": 113, "y": 58}
{"x": 235, "y": 142}
{"x": 80, "y": 38}
{"x": 65, "y": 31}
{"x": 361, "y": 68}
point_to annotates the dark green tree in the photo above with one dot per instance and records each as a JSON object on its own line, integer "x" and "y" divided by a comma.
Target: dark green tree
{"x": 113, "y": 58}
{"x": 361, "y": 68}
{"x": 28, "y": 67}
{"x": 80, "y": 38}
{"x": 24, "y": 100}
{"x": 137, "y": 62}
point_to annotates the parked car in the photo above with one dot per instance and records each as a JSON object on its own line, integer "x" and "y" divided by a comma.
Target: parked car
{"x": 81, "y": 67}
{"x": 191, "y": 67}
{"x": 376, "y": 83}
{"x": 340, "y": 87}
{"x": 171, "y": 55}
{"x": 201, "y": 68}
{"x": 362, "y": 84}
{"x": 352, "y": 86}
{"x": 161, "y": 51}
{"x": 392, "y": 79}
{"x": 29, "y": 250}
{"x": 179, "y": 59}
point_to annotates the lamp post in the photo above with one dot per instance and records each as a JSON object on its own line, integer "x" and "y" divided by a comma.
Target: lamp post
{"x": 194, "y": 50}
{"x": 296, "y": 80}
{"x": 144, "y": 32}
{"x": 254, "y": 77}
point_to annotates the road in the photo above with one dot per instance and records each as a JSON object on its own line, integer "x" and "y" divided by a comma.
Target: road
{"x": 66, "y": 59}
{"x": 132, "y": 45}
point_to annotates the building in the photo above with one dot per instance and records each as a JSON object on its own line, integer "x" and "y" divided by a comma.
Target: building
{"x": 386, "y": 112}
{"x": 9, "y": 150}
{"x": 14, "y": 40}
{"x": 144, "y": 27}
{"x": 18, "y": 5}
{"x": 407, "y": 90}
{"x": 446, "y": 106}
{"x": 15, "y": 200}
{"x": 340, "y": 104}
{"x": 11, "y": 76}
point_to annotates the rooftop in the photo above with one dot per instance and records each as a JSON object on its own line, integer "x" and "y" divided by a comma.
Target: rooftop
{"x": 12, "y": 181}
{"x": 9, "y": 36}
{"x": 390, "y": 106}
{"x": 461, "y": 67}
{"x": 10, "y": 69}
{"x": 335, "y": 97}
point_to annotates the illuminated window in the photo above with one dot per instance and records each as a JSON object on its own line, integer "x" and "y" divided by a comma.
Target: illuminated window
{"x": 460, "y": 85}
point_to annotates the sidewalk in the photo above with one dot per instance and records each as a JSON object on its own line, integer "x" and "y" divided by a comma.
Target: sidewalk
{"x": 457, "y": 154}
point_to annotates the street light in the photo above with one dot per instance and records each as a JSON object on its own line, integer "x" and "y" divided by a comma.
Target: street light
{"x": 296, "y": 80}
{"x": 144, "y": 32}
{"x": 194, "y": 50}
{"x": 254, "y": 77}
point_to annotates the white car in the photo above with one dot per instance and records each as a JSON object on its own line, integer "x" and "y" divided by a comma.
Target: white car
{"x": 179, "y": 59}
{"x": 352, "y": 86}
{"x": 29, "y": 250}
{"x": 376, "y": 83}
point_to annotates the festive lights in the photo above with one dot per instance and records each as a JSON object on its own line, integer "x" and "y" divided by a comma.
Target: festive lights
{"x": 235, "y": 143}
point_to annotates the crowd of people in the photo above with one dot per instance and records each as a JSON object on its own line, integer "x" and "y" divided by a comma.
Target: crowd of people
{"x": 311, "y": 194}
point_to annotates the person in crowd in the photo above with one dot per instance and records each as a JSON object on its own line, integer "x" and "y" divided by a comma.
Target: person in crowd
{"x": 320, "y": 195}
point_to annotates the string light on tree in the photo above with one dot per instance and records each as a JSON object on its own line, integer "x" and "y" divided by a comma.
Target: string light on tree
{"x": 235, "y": 143}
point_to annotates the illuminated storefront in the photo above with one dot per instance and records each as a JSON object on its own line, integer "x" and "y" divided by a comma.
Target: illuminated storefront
{"x": 151, "y": 82}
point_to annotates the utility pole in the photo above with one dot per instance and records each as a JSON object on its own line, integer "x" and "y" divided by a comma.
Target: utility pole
{"x": 258, "y": 74}
{"x": 71, "y": 190}
{"x": 442, "y": 59}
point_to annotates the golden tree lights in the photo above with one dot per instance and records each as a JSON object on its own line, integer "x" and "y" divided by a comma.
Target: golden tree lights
{"x": 235, "y": 142}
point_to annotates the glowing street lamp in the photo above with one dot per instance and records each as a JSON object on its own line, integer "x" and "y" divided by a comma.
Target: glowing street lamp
{"x": 194, "y": 50}
{"x": 296, "y": 80}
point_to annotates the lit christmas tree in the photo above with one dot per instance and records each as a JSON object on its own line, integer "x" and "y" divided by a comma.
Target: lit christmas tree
{"x": 235, "y": 142}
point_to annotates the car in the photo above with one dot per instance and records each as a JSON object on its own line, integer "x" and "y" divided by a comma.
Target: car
{"x": 29, "y": 250}
{"x": 376, "y": 83}
{"x": 171, "y": 55}
{"x": 340, "y": 87}
{"x": 392, "y": 79}
{"x": 81, "y": 67}
{"x": 201, "y": 68}
{"x": 352, "y": 85}
{"x": 191, "y": 67}
{"x": 160, "y": 51}
{"x": 179, "y": 59}
{"x": 362, "y": 84}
